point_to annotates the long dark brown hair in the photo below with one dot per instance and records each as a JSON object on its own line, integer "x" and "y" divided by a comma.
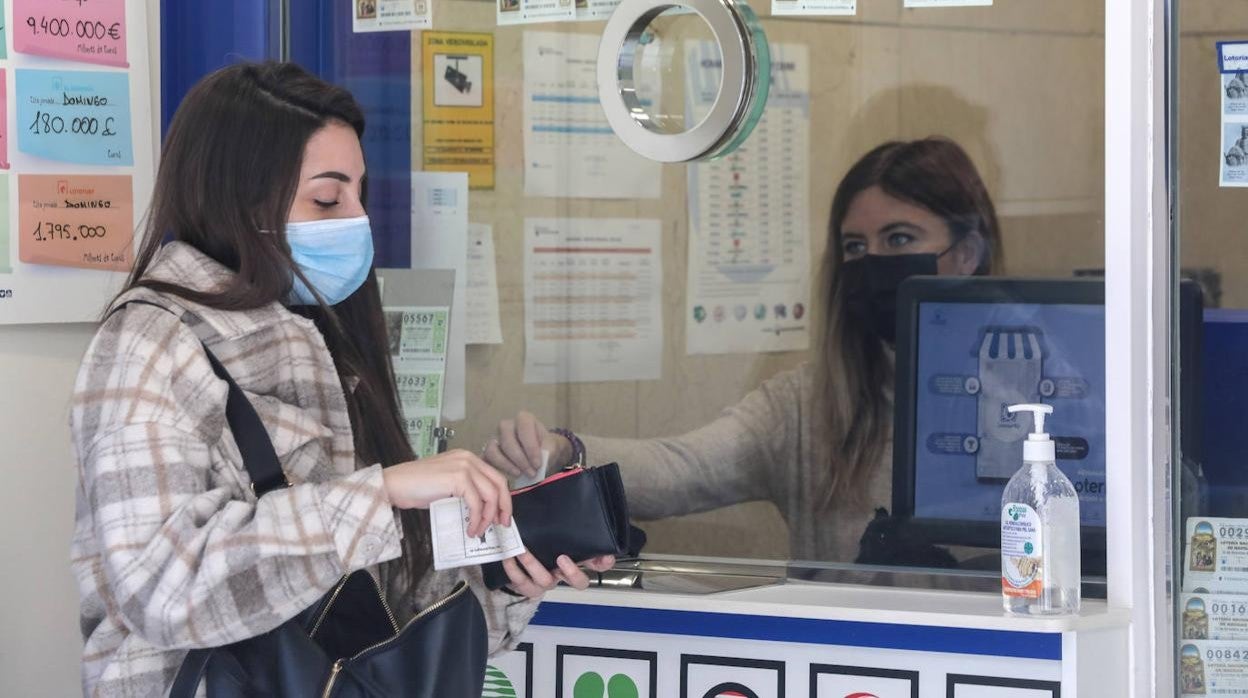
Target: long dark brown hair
{"x": 229, "y": 169}
{"x": 854, "y": 370}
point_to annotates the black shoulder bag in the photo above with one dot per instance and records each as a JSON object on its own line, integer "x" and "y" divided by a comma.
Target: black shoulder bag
{"x": 348, "y": 644}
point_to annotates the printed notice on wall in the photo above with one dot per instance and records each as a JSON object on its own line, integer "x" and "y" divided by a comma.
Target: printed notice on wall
{"x": 592, "y": 300}
{"x": 84, "y": 221}
{"x": 535, "y": 11}
{"x": 1233, "y": 76}
{"x": 948, "y": 3}
{"x": 391, "y": 15}
{"x": 749, "y": 236}
{"x": 590, "y": 10}
{"x": 814, "y": 7}
{"x": 569, "y": 148}
{"x": 484, "y": 326}
{"x": 440, "y": 241}
{"x": 458, "y": 105}
{"x": 75, "y": 116}
{"x": 88, "y": 31}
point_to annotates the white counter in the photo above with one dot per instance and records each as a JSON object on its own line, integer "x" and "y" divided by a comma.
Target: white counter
{"x": 808, "y": 640}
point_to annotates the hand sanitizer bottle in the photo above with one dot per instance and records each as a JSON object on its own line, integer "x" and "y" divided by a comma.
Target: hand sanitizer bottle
{"x": 1040, "y": 572}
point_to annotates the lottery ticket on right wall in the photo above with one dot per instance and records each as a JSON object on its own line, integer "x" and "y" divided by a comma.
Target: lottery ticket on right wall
{"x": 1233, "y": 76}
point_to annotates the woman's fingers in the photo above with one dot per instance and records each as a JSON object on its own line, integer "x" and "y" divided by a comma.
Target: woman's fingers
{"x": 490, "y": 500}
{"x": 510, "y": 445}
{"x": 571, "y": 573}
{"x": 467, "y": 491}
{"x": 602, "y": 563}
{"x": 530, "y": 432}
{"x": 494, "y": 456}
{"x": 520, "y": 582}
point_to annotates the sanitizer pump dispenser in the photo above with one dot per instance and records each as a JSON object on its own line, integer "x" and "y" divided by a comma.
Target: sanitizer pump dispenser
{"x": 1040, "y": 572}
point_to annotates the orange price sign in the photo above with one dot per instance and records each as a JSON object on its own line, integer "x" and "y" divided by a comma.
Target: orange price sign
{"x": 84, "y": 221}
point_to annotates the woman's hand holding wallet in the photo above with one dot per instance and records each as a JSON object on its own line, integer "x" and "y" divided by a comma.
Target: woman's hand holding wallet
{"x": 578, "y": 512}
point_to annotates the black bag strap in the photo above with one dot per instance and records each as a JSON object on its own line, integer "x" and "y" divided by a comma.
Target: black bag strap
{"x": 191, "y": 673}
{"x": 249, "y": 433}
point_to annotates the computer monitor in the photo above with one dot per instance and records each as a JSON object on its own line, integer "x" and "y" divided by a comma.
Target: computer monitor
{"x": 967, "y": 347}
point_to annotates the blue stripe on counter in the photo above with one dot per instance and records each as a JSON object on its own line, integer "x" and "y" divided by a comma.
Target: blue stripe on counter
{"x": 920, "y": 638}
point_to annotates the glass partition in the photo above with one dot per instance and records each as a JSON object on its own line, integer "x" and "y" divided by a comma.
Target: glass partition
{"x": 709, "y": 326}
{"x": 1209, "y": 310}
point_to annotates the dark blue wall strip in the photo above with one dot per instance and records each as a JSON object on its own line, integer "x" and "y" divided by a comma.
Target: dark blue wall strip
{"x": 993, "y": 643}
{"x": 377, "y": 68}
{"x": 199, "y": 37}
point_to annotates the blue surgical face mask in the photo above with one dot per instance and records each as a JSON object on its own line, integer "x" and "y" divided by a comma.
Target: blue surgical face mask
{"x": 335, "y": 256}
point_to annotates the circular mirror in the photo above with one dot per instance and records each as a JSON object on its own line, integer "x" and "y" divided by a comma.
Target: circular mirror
{"x": 663, "y": 81}
{"x": 683, "y": 82}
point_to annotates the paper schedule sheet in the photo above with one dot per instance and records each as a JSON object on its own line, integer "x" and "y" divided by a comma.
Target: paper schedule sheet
{"x": 592, "y": 300}
{"x": 569, "y": 148}
{"x": 483, "y": 320}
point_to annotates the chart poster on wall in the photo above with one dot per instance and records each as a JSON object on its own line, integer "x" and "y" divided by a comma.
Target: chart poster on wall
{"x": 82, "y": 221}
{"x": 814, "y": 7}
{"x": 592, "y": 300}
{"x": 839, "y": 681}
{"x": 75, "y": 116}
{"x": 458, "y": 105}
{"x": 87, "y": 31}
{"x": 703, "y": 676}
{"x": 511, "y": 12}
{"x": 390, "y": 15}
{"x": 592, "y": 672}
{"x": 569, "y": 148}
{"x": 749, "y": 227}
{"x": 510, "y": 675}
{"x": 963, "y": 686}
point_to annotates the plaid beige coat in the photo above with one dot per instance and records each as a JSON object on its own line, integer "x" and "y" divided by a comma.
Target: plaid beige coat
{"x": 172, "y": 551}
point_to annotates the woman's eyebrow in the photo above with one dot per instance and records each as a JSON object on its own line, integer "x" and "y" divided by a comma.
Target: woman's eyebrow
{"x": 900, "y": 225}
{"x": 332, "y": 174}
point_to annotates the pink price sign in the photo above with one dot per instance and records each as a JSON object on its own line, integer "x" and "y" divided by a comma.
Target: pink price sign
{"x": 89, "y": 31}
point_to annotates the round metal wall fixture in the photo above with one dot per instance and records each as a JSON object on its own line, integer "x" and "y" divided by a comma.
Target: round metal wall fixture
{"x": 746, "y": 79}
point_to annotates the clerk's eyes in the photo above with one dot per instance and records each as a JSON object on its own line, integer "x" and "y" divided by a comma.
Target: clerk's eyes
{"x": 899, "y": 240}
{"x": 854, "y": 248}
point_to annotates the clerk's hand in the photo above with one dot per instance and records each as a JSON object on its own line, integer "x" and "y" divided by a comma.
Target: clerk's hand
{"x": 517, "y": 447}
{"x": 417, "y": 484}
{"x": 529, "y": 578}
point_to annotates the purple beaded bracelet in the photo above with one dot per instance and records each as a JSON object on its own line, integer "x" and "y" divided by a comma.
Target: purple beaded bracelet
{"x": 578, "y": 446}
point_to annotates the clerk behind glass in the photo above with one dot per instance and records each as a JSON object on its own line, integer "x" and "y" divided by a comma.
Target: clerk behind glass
{"x": 815, "y": 440}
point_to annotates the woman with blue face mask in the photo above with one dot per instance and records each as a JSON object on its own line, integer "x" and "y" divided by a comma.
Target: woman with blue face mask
{"x": 815, "y": 440}
{"x": 260, "y": 193}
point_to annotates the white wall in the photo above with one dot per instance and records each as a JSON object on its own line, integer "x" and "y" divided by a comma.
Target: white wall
{"x": 39, "y": 640}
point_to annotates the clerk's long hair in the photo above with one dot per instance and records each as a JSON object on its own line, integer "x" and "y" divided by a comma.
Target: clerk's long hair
{"x": 854, "y": 369}
{"x": 229, "y": 168}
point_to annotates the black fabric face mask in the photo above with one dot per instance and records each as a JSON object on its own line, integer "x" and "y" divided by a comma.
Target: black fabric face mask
{"x": 870, "y": 285}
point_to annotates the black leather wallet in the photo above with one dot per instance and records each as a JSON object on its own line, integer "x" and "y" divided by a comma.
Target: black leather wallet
{"x": 578, "y": 512}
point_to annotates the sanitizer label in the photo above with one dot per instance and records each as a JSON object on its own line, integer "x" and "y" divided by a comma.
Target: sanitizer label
{"x": 1022, "y": 549}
